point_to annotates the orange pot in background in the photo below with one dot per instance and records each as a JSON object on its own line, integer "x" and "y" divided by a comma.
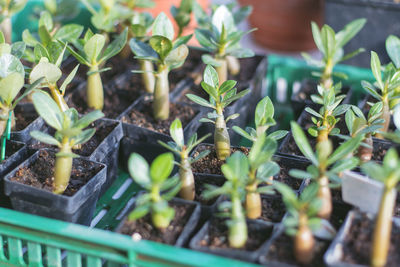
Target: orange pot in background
{"x": 285, "y": 25}
{"x": 165, "y": 6}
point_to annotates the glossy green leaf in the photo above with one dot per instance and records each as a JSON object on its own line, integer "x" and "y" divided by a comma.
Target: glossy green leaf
{"x": 10, "y": 64}
{"x": 393, "y": 49}
{"x": 177, "y": 57}
{"x": 376, "y": 68}
{"x": 210, "y": 76}
{"x": 349, "y": 31}
{"x": 222, "y": 16}
{"x": 161, "y": 45}
{"x": 161, "y": 167}
{"x": 226, "y": 86}
{"x": 10, "y": 86}
{"x": 94, "y": 46}
{"x": 142, "y": 49}
{"x": 199, "y": 100}
{"x": 18, "y": 49}
{"x": 69, "y": 33}
{"x": 176, "y": 131}
{"x": 48, "y": 110}
{"x": 69, "y": 79}
{"x": 49, "y": 71}
{"x": 87, "y": 119}
{"x": 264, "y": 110}
{"x": 345, "y": 149}
{"x": 163, "y": 26}
{"x": 139, "y": 170}
{"x": 302, "y": 142}
{"x": 115, "y": 46}
{"x": 236, "y": 166}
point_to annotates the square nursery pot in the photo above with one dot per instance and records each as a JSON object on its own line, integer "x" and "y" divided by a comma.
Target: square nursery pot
{"x": 26, "y": 120}
{"x": 382, "y": 21}
{"x": 212, "y": 238}
{"x": 352, "y": 245}
{"x": 78, "y": 207}
{"x": 103, "y": 147}
{"x": 187, "y": 214}
{"x": 16, "y": 153}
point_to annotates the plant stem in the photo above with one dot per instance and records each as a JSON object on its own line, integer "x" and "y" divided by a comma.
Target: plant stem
{"x": 160, "y": 221}
{"x": 383, "y": 228}
{"x": 326, "y": 78}
{"x": 222, "y": 141}
{"x": 304, "y": 241}
{"x": 187, "y": 179}
{"x": 253, "y": 201}
{"x": 63, "y": 168}
{"x": 161, "y": 94}
{"x": 95, "y": 94}
{"x": 365, "y": 153}
{"x": 385, "y": 116}
{"x": 233, "y": 65}
{"x": 222, "y": 70}
{"x": 147, "y": 75}
{"x": 324, "y": 193}
{"x": 59, "y": 98}
{"x": 238, "y": 227}
{"x": 6, "y": 27}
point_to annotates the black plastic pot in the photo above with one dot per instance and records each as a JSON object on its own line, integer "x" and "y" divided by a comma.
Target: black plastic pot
{"x": 262, "y": 228}
{"x": 188, "y": 228}
{"x": 78, "y": 208}
{"x": 27, "y": 111}
{"x": 382, "y": 21}
{"x": 12, "y": 161}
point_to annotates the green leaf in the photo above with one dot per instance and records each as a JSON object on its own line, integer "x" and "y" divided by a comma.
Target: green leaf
{"x": 222, "y": 18}
{"x": 46, "y": 20}
{"x": 10, "y": 64}
{"x": 87, "y": 119}
{"x": 343, "y": 165}
{"x": 277, "y": 135}
{"x": 232, "y": 117}
{"x": 300, "y": 174}
{"x": 393, "y": 49}
{"x": 41, "y": 52}
{"x": 69, "y": 33}
{"x": 313, "y": 112}
{"x": 84, "y": 136}
{"x": 226, "y": 86}
{"x": 10, "y": 87}
{"x": 391, "y": 159}
{"x": 344, "y": 149}
{"x": 142, "y": 49}
{"x": 199, "y": 100}
{"x": 205, "y": 39}
{"x": 69, "y": 79}
{"x": 210, "y": 77}
{"x": 376, "y": 68}
{"x": 161, "y": 167}
{"x": 139, "y": 170}
{"x": 176, "y": 132}
{"x": 2, "y": 39}
{"x": 78, "y": 56}
{"x": 48, "y": 110}
{"x": 139, "y": 212}
{"x": 94, "y": 46}
{"x": 328, "y": 40}
{"x": 373, "y": 170}
{"x": 264, "y": 110}
{"x": 18, "y": 49}
{"x": 288, "y": 195}
{"x": 302, "y": 142}
{"x": 236, "y": 166}
{"x": 317, "y": 37}
{"x": 116, "y": 46}
{"x": 243, "y": 133}
{"x": 49, "y": 71}
{"x": 268, "y": 169}
{"x": 371, "y": 90}
{"x": 239, "y": 95}
{"x": 349, "y": 31}
{"x": 211, "y": 91}
{"x": 177, "y": 57}
{"x": 161, "y": 45}
{"x": 182, "y": 40}
{"x": 163, "y": 26}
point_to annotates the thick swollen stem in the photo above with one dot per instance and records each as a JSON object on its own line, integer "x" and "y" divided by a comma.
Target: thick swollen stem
{"x": 59, "y": 98}
{"x": 222, "y": 70}
{"x": 6, "y": 27}
{"x": 63, "y": 169}
{"x": 365, "y": 153}
{"x": 222, "y": 141}
{"x": 324, "y": 194}
{"x": 326, "y": 78}
{"x": 187, "y": 179}
{"x": 159, "y": 220}
{"x": 383, "y": 228}
{"x": 95, "y": 94}
{"x": 253, "y": 201}
{"x": 238, "y": 227}
{"x": 322, "y": 136}
{"x": 233, "y": 65}
{"x": 304, "y": 242}
{"x": 161, "y": 94}
{"x": 148, "y": 75}
{"x": 386, "y": 117}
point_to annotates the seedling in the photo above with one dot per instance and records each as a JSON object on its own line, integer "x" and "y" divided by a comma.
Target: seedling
{"x": 302, "y": 219}
{"x": 393, "y": 50}
{"x": 326, "y": 164}
{"x": 168, "y": 54}
{"x": 159, "y": 189}
{"x": 183, "y": 150}
{"x": 182, "y": 14}
{"x": 220, "y": 97}
{"x": 7, "y": 9}
{"x": 62, "y": 10}
{"x": 263, "y": 120}
{"x": 386, "y": 86}
{"x": 92, "y": 53}
{"x": 235, "y": 170}
{"x": 358, "y": 124}
{"x": 331, "y": 44}
{"x": 221, "y": 39}
{"x": 69, "y": 132}
{"x": 105, "y": 18}
{"x": 389, "y": 175}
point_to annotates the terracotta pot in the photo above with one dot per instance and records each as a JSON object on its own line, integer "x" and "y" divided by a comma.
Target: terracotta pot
{"x": 165, "y": 6}
{"x": 285, "y": 25}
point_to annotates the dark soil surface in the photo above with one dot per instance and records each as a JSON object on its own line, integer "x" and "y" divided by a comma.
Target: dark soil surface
{"x": 144, "y": 117}
{"x": 357, "y": 243}
{"x": 217, "y": 236}
{"x": 145, "y": 228}
{"x": 40, "y": 174}
{"x": 200, "y": 182}
{"x": 12, "y": 148}
{"x": 339, "y": 214}
{"x": 273, "y": 209}
{"x": 23, "y": 117}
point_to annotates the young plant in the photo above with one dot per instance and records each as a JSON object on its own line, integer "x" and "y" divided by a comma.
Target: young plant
{"x": 159, "y": 189}
{"x": 69, "y": 133}
{"x": 221, "y": 39}
{"x": 221, "y": 95}
{"x": 168, "y": 54}
{"x": 7, "y": 9}
{"x": 326, "y": 164}
{"x": 183, "y": 150}
{"x": 235, "y": 170}
{"x": 182, "y": 15}
{"x": 263, "y": 120}
{"x": 358, "y": 124}
{"x": 302, "y": 219}
{"x": 331, "y": 44}
{"x": 93, "y": 53}
{"x": 393, "y": 50}
{"x": 386, "y": 86}
{"x": 389, "y": 175}
{"x": 62, "y": 10}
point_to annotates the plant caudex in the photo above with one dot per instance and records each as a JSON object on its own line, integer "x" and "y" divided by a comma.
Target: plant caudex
{"x": 221, "y": 95}
{"x": 183, "y": 150}
{"x": 326, "y": 164}
{"x": 158, "y": 186}
{"x": 389, "y": 175}
{"x": 168, "y": 54}
{"x": 92, "y": 53}
{"x": 235, "y": 171}
{"x": 302, "y": 219}
{"x": 331, "y": 44}
{"x": 358, "y": 124}
{"x": 263, "y": 120}
{"x": 222, "y": 38}
{"x": 383, "y": 89}
{"x": 7, "y": 9}
{"x": 69, "y": 132}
